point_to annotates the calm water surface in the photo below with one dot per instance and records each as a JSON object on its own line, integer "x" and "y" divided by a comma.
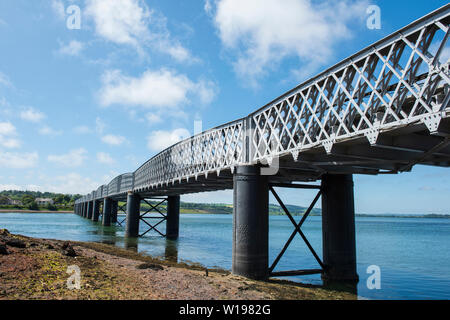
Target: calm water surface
{"x": 412, "y": 253}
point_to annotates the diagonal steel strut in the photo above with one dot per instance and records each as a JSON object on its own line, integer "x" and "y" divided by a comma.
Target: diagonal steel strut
{"x": 297, "y": 229}
{"x": 153, "y": 208}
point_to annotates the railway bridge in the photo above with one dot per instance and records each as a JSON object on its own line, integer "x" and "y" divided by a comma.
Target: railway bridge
{"x": 380, "y": 111}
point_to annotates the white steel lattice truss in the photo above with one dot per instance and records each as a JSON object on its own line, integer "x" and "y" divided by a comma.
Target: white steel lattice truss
{"x": 393, "y": 83}
{"x": 399, "y": 81}
{"x": 210, "y": 151}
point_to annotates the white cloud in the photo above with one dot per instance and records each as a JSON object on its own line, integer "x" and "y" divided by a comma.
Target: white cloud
{"x": 71, "y": 183}
{"x": 7, "y": 136}
{"x": 82, "y": 130}
{"x": 18, "y": 160}
{"x": 120, "y": 21}
{"x": 48, "y": 131}
{"x": 163, "y": 88}
{"x": 160, "y": 139}
{"x": 7, "y": 128}
{"x": 10, "y": 187}
{"x": 114, "y": 140}
{"x": 263, "y": 35}
{"x": 99, "y": 125}
{"x": 32, "y": 115}
{"x": 73, "y": 48}
{"x": 105, "y": 158}
{"x": 4, "y": 80}
{"x": 153, "y": 118}
{"x": 208, "y": 6}
{"x": 74, "y": 158}
{"x": 132, "y": 22}
{"x": 58, "y": 8}
{"x": 9, "y": 143}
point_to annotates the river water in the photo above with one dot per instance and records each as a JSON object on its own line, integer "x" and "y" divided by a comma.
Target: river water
{"x": 412, "y": 254}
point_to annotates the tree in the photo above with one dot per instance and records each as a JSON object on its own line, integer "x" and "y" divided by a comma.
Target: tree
{"x": 29, "y": 202}
{"x": 59, "y": 199}
{"x": 32, "y": 206}
{"x": 50, "y": 207}
{"x": 4, "y": 200}
{"x": 27, "y": 199}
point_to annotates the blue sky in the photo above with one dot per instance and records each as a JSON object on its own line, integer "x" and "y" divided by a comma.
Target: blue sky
{"x": 80, "y": 106}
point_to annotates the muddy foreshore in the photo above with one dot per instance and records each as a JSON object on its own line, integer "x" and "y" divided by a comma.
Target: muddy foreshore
{"x": 37, "y": 269}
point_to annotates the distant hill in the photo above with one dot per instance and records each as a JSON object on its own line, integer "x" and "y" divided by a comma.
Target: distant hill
{"x": 220, "y": 208}
{"x": 66, "y": 201}
{"x": 18, "y": 194}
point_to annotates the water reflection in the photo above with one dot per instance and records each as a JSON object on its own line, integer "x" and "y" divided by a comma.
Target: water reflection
{"x": 171, "y": 252}
{"x": 350, "y": 287}
{"x": 109, "y": 235}
{"x": 131, "y": 243}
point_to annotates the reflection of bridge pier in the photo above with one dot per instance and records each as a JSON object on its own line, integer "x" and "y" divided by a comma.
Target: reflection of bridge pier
{"x": 171, "y": 251}
{"x": 380, "y": 111}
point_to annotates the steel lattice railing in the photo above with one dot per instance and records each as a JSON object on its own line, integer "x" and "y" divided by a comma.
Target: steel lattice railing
{"x": 397, "y": 81}
{"x": 401, "y": 80}
{"x": 210, "y": 151}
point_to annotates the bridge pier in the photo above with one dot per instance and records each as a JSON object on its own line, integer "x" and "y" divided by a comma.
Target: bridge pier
{"x": 338, "y": 228}
{"x": 90, "y": 208}
{"x": 85, "y": 205}
{"x": 106, "y": 218}
{"x": 133, "y": 215}
{"x": 173, "y": 217}
{"x": 96, "y": 211}
{"x": 114, "y": 205}
{"x": 250, "y": 223}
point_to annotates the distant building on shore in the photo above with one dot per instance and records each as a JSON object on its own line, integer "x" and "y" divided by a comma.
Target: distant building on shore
{"x": 8, "y": 201}
{"x": 44, "y": 201}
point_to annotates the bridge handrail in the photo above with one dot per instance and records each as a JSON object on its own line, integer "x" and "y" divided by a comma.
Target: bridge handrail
{"x": 216, "y": 149}
{"x": 332, "y": 106}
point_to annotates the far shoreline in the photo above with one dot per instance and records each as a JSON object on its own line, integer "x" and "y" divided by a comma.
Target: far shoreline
{"x": 358, "y": 215}
{"x": 32, "y": 211}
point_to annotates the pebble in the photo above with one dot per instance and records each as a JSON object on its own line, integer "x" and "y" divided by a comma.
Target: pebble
{"x": 3, "y": 249}
{"x": 16, "y": 243}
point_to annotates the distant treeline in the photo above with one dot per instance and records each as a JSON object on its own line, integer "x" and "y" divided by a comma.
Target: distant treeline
{"x": 66, "y": 202}
{"x": 221, "y": 208}
{"x": 14, "y": 199}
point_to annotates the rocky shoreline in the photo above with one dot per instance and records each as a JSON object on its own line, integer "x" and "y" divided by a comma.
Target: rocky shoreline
{"x": 33, "y": 268}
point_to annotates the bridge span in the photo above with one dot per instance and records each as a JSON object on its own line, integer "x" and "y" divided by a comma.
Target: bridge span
{"x": 380, "y": 111}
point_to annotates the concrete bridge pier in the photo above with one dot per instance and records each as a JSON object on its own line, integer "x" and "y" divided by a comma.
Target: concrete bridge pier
{"x": 114, "y": 206}
{"x": 173, "y": 217}
{"x": 133, "y": 215}
{"x": 96, "y": 211}
{"x": 250, "y": 223}
{"x": 338, "y": 228}
{"x": 106, "y": 218}
{"x": 90, "y": 210}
